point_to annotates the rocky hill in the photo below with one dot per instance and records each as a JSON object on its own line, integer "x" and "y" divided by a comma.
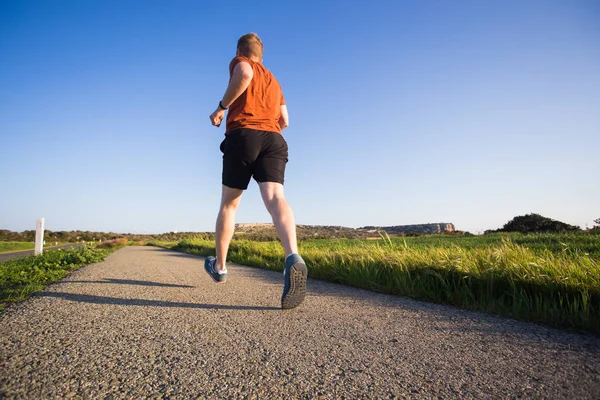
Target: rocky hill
{"x": 267, "y": 231}
{"x": 427, "y": 229}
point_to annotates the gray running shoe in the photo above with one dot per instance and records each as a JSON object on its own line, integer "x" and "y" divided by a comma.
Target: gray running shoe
{"x": 294, "y": 286}
{"x": 209, "y": 267}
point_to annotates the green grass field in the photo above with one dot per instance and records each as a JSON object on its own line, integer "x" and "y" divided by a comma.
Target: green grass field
{"x": 547, "y": 278}
{"x": 6, "y": 247}
{"x": 15, "y": 246}
{"x": 21, "y": 277}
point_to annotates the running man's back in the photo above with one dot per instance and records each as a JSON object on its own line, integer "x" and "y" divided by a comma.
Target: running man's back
{"x": 259, "y": 107}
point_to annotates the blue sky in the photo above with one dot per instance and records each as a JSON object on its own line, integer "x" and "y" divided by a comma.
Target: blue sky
{"x": 401, "y": 112}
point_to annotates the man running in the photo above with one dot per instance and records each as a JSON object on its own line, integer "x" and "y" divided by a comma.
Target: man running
{"x": 254, "y": 147}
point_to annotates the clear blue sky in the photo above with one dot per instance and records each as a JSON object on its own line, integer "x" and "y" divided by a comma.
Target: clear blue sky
{"x": 401, "y": 112}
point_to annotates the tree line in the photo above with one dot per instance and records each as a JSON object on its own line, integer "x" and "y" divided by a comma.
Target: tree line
{"x": 88, "y": 236}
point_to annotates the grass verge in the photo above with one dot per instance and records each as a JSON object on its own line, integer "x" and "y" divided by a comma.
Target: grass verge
{"x": 6, "y": 247}
{"x": 556, "y": 285}
{"x": 15, "y": 246}
{"x": 19, "y": 278}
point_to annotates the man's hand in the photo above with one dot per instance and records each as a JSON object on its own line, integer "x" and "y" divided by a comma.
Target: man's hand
{"x": 284, "y": 119}
{"x": 217, "y": 117}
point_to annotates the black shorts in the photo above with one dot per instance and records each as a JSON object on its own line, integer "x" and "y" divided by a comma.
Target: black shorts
{"x": 250, "y": 153}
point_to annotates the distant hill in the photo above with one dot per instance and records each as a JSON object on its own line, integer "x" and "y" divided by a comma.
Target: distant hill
{"x": 267, "y": 231}
{"x": 441, "y": 227}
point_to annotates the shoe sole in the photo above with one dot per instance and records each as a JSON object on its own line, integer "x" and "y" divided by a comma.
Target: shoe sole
{"x": 216, "y": 281}
{"x": 295, "y": 296}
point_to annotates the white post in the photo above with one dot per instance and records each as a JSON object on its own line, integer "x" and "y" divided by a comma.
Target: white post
{"x": 39, "y": 236}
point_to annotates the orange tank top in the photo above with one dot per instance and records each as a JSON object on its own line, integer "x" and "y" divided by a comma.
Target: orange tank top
{"x": 259, "y": 107}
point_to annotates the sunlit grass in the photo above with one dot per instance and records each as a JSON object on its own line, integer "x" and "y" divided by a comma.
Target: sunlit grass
{"x": 19, "y": 278}
{"x": 15, "y": 246}
{"x": 6, "y": 247}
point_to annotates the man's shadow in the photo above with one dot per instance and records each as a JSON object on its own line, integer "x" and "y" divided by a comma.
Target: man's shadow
{"x": 86, "y": 298}
{"x": 129, "y": 282}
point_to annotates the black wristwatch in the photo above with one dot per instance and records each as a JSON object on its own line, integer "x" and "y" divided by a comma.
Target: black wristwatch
{"x": 221, "y": 106}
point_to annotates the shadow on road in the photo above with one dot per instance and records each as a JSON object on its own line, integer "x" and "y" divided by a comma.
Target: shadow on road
{"x": 176, "y": 253}
{"x": 265, "y": 275}
{"x": 129, "y": 282}
{"x": 86, "y": 298}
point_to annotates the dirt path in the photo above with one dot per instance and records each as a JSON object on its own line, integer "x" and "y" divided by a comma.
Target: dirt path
{"x": 149, "y": 322}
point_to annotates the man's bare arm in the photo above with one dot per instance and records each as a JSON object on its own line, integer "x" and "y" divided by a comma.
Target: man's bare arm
{"x": 284, "y": 119}
{"x": 239, "y": 82}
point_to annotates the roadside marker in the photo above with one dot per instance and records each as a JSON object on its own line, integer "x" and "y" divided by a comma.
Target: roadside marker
{"x": 39, "y": 237}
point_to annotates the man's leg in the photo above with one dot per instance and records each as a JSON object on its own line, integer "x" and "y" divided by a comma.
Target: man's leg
{"x": 230, "y": 201}
{"x": 294, "y": 270}
{"x": 281, "y": 212}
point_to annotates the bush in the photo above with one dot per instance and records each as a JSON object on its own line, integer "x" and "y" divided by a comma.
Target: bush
{"x": 536, "y": 223}
{"x": 113, "y": 243}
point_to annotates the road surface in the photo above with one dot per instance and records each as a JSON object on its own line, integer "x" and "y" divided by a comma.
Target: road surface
{"x": 149, "y": 323}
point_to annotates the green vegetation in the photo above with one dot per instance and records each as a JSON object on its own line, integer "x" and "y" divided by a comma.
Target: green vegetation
{"x": 87, "y": 236}
{"x": 15, "y": 246}
{"x": 21, "y": 277}
{"x": 18, "y": 246}
{"x": 584, "y": 242}
{"x": 113, "y": 244}
{"x": 548, "y": 278}
{"x": 167, "y": 244}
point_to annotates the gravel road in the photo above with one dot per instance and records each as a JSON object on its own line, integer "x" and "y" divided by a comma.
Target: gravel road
{"x": 149, "y": 323}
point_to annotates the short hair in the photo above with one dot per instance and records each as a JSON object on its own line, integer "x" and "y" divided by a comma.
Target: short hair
{"x": 250, "y": 45}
